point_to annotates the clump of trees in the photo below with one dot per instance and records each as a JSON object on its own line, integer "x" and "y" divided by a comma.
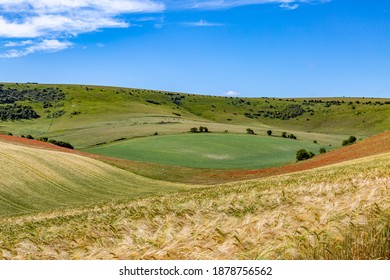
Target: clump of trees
{"x": 44, "y": 95}
{"x": 303, "y": 154}
{"x": 351, "y": 140}
{"x": 202, "y": 129}
{"x": 17, "y": 112}
{"x": 291, "y": 136}
{"x": 56, "y": 142}
{"x": 11, "y": 110}
{"x": 176, "y": 98}
{"x": 287, "y": 113}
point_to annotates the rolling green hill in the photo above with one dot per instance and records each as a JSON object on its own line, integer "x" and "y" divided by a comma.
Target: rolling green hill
{"x": 90, "y": 115}
{"x": 208, "y": 150}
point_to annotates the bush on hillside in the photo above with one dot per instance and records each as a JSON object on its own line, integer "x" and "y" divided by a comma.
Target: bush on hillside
{"x": 61, "y": 144}
{"x": 351, "y": 140}
{"x": 250, "y": 131}
{"x": 269, "y": 132}
{"x": 303, "y": 155}
{"x": 43, "y": 139}
{"x": 202, "y": 129}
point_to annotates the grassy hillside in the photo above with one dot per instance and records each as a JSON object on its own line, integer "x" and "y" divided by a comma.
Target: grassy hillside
{"x": 36, "y": 180}
{"x": 208, "y": 150}
{"x": 337, "y": 212}
{"x": 89, "y": 115}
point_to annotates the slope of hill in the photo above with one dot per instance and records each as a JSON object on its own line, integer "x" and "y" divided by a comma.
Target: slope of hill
{"x": 89, "y": 115}
{"x": 35, "y": 179}
{"x": 336, "y": 212}
{"x": 374, "y": 145}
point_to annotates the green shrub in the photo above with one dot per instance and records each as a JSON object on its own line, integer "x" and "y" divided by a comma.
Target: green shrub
{"x": 43, "y": 139}
{"x": 303, "y": 155}
{"x": 351, "y": 140}
{"x": 61, "y": 144}
{"x": 250, "y": 131}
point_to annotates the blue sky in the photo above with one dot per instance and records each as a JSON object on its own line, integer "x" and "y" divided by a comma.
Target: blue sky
{"x": 277, "y": 48}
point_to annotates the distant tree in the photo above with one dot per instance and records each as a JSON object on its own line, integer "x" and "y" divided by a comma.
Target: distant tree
{"x": 269, "y": 132}
{"x": 315, "y": 141}
{"x": 284, "y": 134}
{"x": 250, "y": 131}
{"x": 349, "y": 141}
{"x": 322, "y": 150}
{"x": 203, "y": 129}
{"x": 29, "y": 136}
{"x": 303, "y": 155}
{"x": 292, "y": 136}
{"x": 194, "y": 130}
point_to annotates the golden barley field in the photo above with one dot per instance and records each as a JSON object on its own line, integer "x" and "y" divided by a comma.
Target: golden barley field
{"x": 341, "y": 211}
{"x": 34, "y": 180}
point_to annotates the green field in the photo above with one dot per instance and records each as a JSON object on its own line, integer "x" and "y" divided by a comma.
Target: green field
{"x": 209, "y": 150}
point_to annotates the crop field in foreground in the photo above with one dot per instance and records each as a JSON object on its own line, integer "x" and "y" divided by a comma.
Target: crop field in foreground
{"x": 36, "y": 180}
{"x": 341, "y": 211}
{"x": 208, "y": 150}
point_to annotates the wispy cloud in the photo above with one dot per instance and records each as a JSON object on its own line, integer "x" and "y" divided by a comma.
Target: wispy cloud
{"x": 202, "y": 23}
{"x": 224, "y": 4}
{"x": 48, "y": 21}
{"x": 232, "y": 93}
{"x": 31, "y": 24}
{"x": 30, "y": 47}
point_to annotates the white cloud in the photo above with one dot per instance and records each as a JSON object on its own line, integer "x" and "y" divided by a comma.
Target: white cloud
{"x": 224, "y": 4}
{"x": 30, "y": 47}
{"x": 18, "y": 44}
{"x": 50, "y": 20}
{"x": 202, "y": 23}
{"x": 289, "y": 6}
{"x": 56, "y": 20}
{"x": 231, "y": 93}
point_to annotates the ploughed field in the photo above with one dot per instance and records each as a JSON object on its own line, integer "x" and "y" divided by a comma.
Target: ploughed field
{"x": 208, "y": 150}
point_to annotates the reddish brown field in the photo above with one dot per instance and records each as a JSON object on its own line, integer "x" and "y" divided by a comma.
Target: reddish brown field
{"x": 371, "y": 146}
